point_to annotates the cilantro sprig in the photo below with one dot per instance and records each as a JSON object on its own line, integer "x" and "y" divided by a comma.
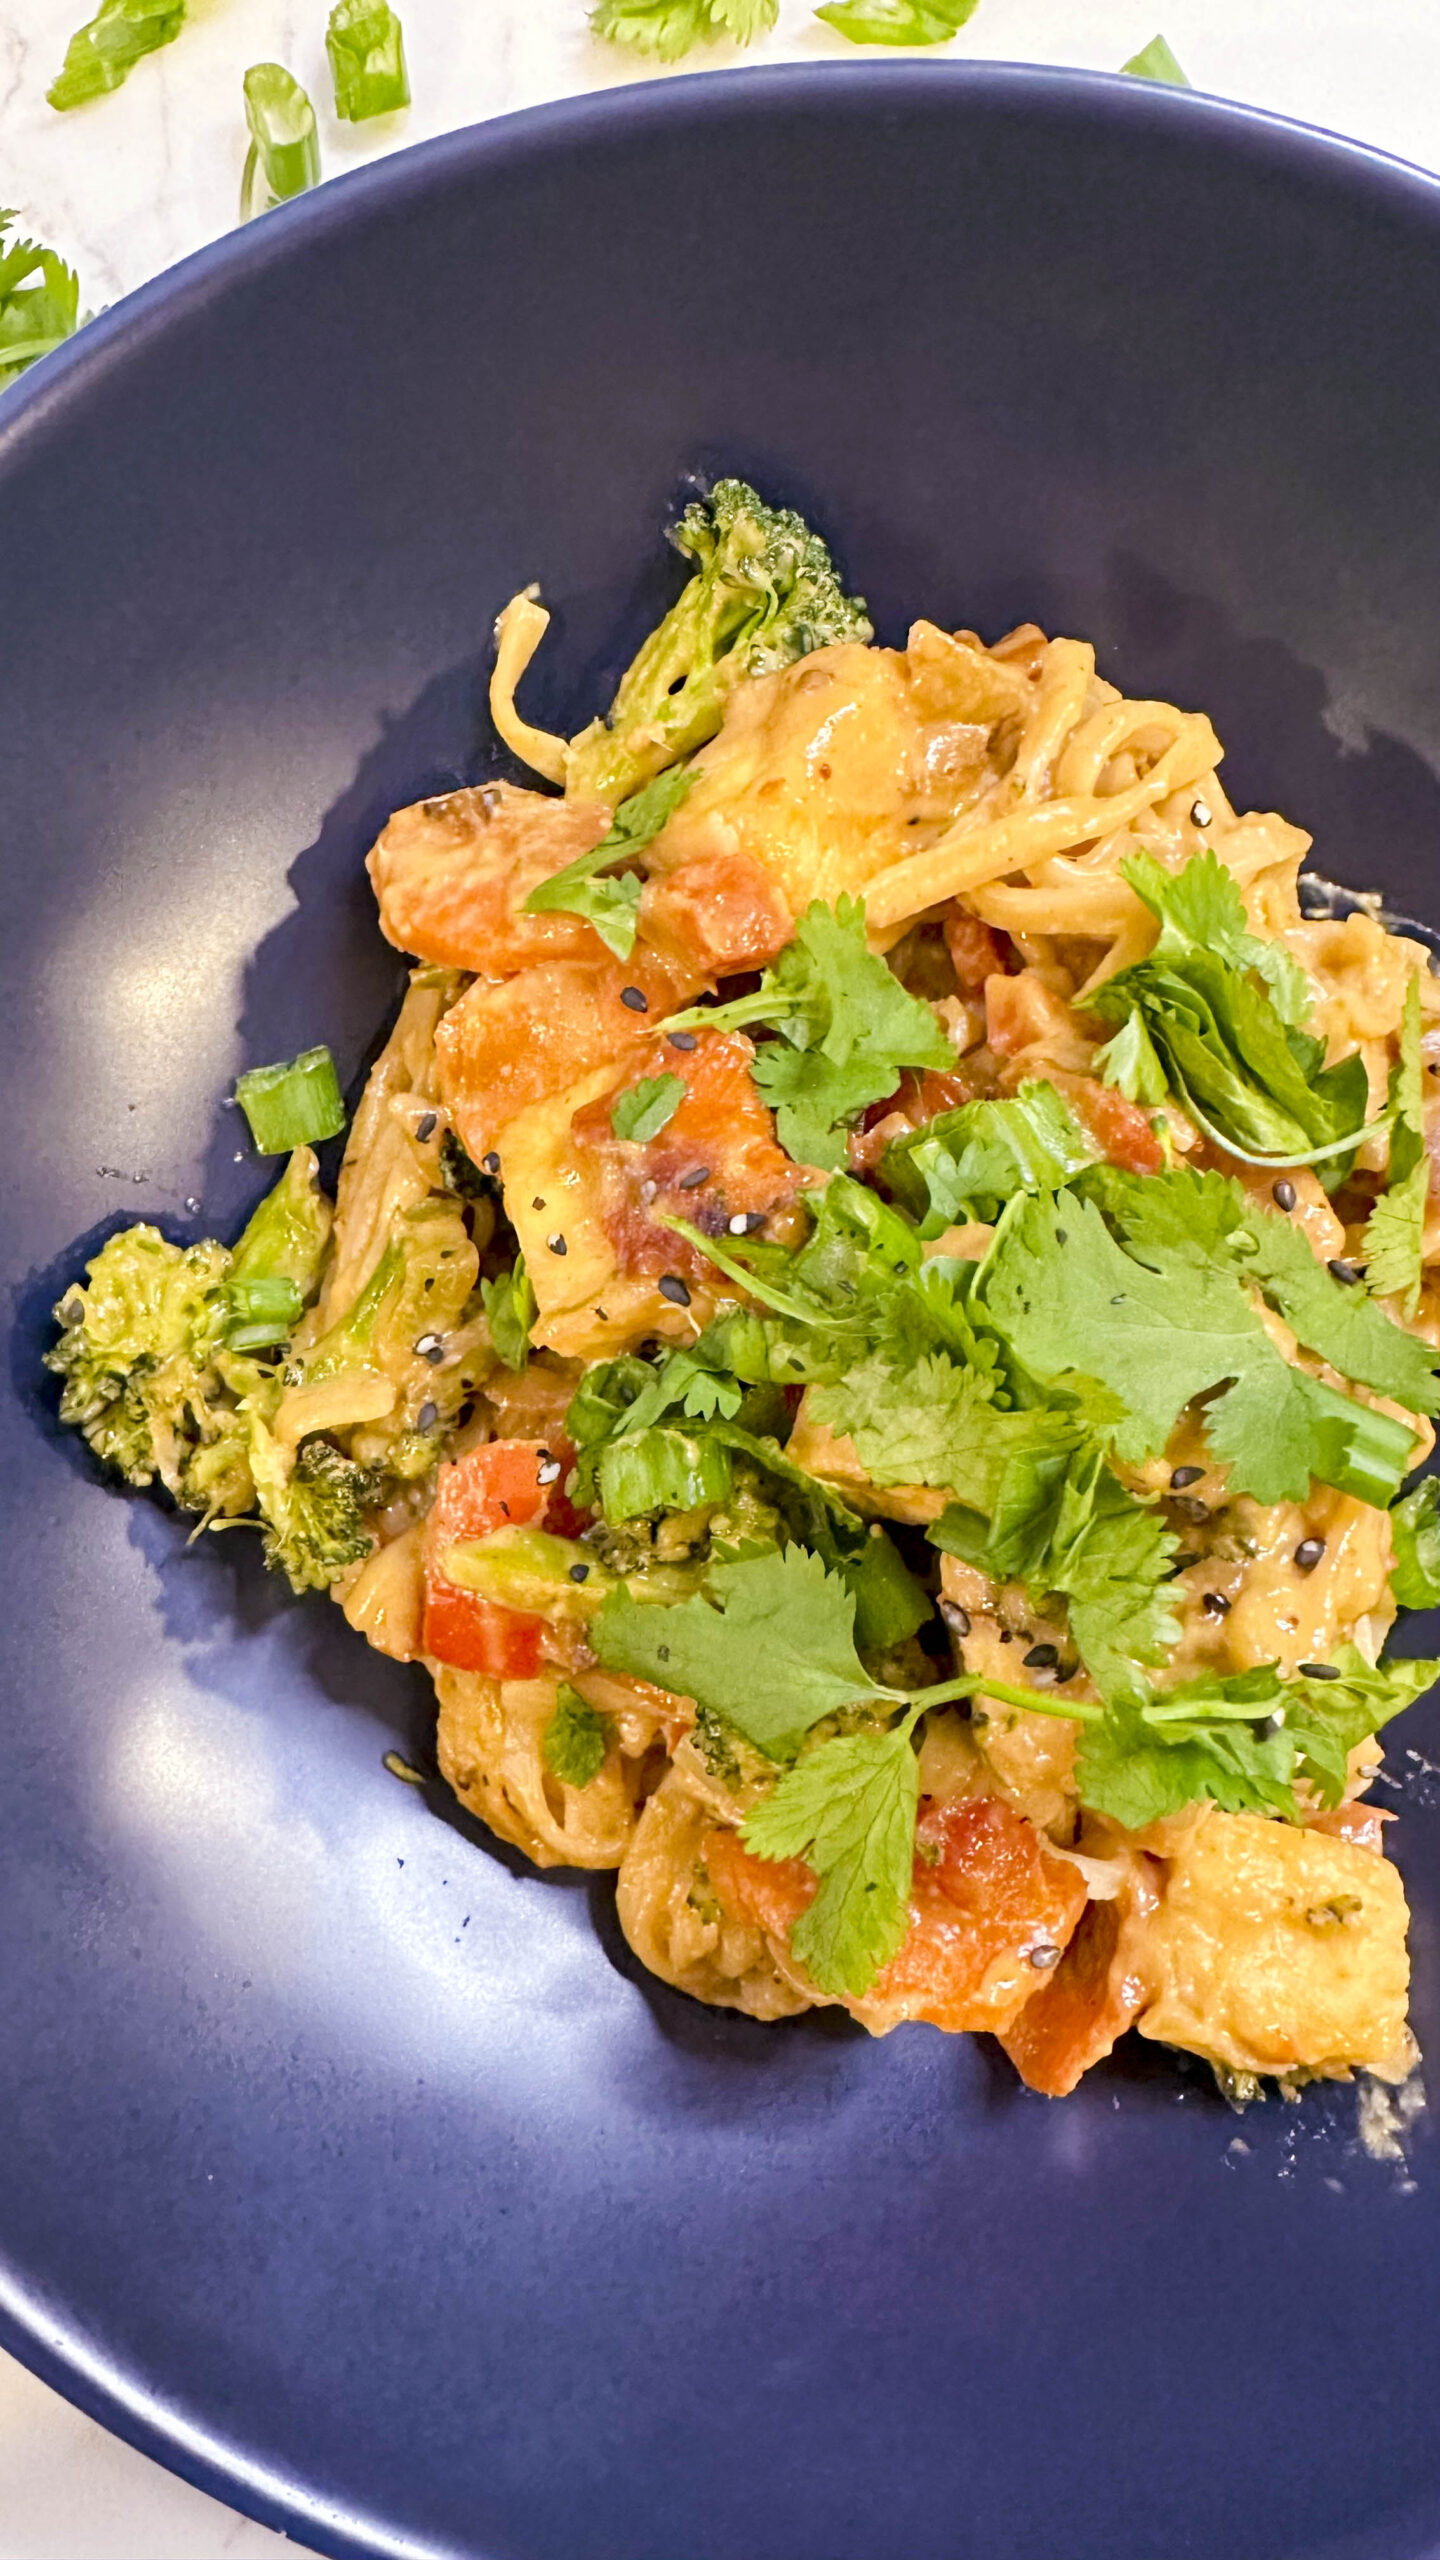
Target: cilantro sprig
{"x": 668, "y": 29}
{"x": 848, "y": 1809}
{"x": 576, "y": 1739}
{"x": 39, "y": 302}
{"x": 845, "y": 1030}
{"x": 1221, "y": 1012}
{"x": 968, "y": 1162}
{"x": 1394, "y": 1236}
{"x": 612, "y": 904}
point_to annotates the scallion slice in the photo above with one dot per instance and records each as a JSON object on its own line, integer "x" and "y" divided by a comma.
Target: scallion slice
{"x": 367, "y": 59}
{"x": 295, "y": 1103}
{"x": 284, "y": 154}
{"x": 1155, "y": 61}
{"x": 262, "y": 1313}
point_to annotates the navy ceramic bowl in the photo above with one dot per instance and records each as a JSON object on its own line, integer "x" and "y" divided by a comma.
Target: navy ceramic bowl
{"x": 345, "y": 2163}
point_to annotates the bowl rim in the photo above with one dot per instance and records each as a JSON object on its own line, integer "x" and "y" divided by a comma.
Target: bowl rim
{"x": 562, "y": 125}
{"x": 37, "y": 2332}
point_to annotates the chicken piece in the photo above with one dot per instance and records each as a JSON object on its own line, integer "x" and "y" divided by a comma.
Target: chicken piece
{"x": 833, "y": 769}
{"x": 502, "y": 1048}
{"x": 989, "y": 1897}
{"x": 1095, "y": 1992}
{"x": 1276, "y": 1949}
{"x": 452, "y": 876}
{"x": 587, "y": 1206}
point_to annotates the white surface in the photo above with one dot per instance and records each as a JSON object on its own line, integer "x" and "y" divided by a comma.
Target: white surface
{"x": 126, "y": 186}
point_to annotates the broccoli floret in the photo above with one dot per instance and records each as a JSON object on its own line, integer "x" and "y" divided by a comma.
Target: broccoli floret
{"x": 140, "y": 1337}
{"x": 314, "y": 1511}
{"x": 764, "y": 593}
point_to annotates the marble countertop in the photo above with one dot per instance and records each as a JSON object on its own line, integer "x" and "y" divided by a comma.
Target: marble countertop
{"x": 125, "y": 187}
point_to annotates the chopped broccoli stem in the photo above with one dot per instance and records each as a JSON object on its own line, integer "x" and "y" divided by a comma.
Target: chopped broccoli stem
{"x": 764, "y": 593}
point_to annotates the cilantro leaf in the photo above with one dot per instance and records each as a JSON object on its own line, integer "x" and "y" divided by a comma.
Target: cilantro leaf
{"x": 106, "y": 49}
{"x": 1395, "y": 1234}
{"x": 1155, "y": 61}
{"x": 846, "y": 1028}
{"x": 967, "y": 1163}
{"x": 510, "y": 1311}
{"x": 898, "y": 21}
{"x": 39, "y": 302}
{"x": 769, "y": 1645}
{"x": 647, "y": 1108}
{"x": 1221, "y": 1009}
{"x": 576, "y": 1739}
{"x": 1129, "y": 1062}
{"x": 1243, "y": 1742}
{"x": 1415, "y": 1532}
{"x": 1067, "y": 1298}
{"x": 848, "y": 1808}
{"x": 613, "y": 906}
{"x": 666, "y": 29}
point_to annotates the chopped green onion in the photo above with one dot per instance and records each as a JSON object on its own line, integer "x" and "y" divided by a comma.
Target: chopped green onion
{"x": 35, "y": 316}
{"x": 1155, "y": 61}
{"x": 367, "y": 59}
{"x": 106, "y": 49}
{"x": 262, "y": 1312}
{"x": 284, "y": 154}
{"x": 295, "y": 1103}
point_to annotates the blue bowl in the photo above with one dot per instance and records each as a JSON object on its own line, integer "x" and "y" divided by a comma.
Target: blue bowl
{"x": 346, "y": 2164}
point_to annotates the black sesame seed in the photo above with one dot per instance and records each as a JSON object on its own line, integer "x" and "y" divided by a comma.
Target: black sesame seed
{"x": 1041, "y": 1657}
{"x": 1214, "y": 1604}
{"x": 956, "y": 1618}
{"x": 1044, "y": 1957}
{"x": 557, "y": 1244}
{"x": 673, "y": 1288}
{"x": 1309, "y": 1553}
{"x": 435, "y": 1354}
{"x": 1190, "y": 1508}
{"x": 681, "y": 1039}
{"x": 427, "y": 1417}
{"x": 579, "y": 1573}
{"x": 1005, "y": 1636}
{"x": 1347, "y": 1273}
{"x": 1284, "y": 1195}
{"x": 537, "y": 1202}
{"x": 634, "y": 999}
{"x": 490, "y": 1163}
{"x": 1060, "y": 1236}
{"x": 1181, "y": 1476}
{"x": 426, "y": 1128}
{"x": 1318, "y": 1671}
{"x": 691, "y": 1181}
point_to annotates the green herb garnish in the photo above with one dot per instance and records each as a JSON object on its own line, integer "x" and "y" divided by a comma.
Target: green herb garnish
{"x": 666, "y": 29}
{"x": 846, "y": 1028}
{"x": 295, "y": 1103}
{"x": 510, "y": 1311}
{"x": 613, "y": 905}
{"x": 106, "y": 49}
{"x": 576, "y": 1739}
{"x": 647, "y": 1108}
{"x": 39, "y": 302}
{"x": 1155, "y": 61}
{"x": 367, "y": 59}
{"x": 284, "y": 155}
{"x": 898, "y": 21}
